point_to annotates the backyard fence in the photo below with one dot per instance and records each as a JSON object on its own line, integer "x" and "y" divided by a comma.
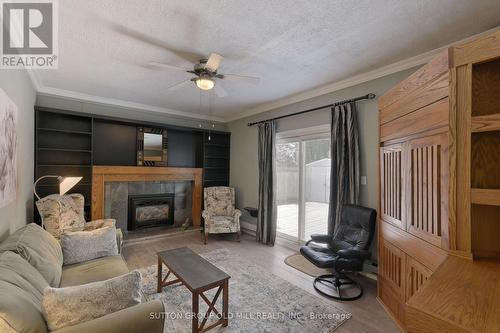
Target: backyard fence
{"x": 317, "y": 183}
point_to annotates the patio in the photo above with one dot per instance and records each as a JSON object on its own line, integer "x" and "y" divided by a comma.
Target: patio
{"x": 315, "y": 221}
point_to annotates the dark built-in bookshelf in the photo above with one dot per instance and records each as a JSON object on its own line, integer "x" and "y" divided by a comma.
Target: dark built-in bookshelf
{"x": 216, "y": 159}
{"x": 63, "y": 146}
{"x": 69, "y": 143}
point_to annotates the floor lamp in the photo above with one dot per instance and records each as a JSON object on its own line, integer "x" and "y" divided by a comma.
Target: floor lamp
{"x": 65, "y": 184}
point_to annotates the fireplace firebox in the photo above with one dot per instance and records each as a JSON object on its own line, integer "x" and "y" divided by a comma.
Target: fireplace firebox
{"x": 150, "y": 210}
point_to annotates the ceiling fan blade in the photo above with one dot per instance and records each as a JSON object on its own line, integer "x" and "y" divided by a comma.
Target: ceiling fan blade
{"x": 178, "y": 85}
{"x": 213, "y": 62}
{"x": 219, "y": 91}
{"x": 242, "y": 78}
{"x": 163, "y": 65}
{"x": 186, "y": 55}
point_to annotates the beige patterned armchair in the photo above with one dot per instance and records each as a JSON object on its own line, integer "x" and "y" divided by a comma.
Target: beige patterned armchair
{"x": 61, "y": 213}
{"x": 219, "y": 214}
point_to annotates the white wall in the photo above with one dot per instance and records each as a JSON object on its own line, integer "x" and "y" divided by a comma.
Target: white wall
{"x": 18, "y": 86}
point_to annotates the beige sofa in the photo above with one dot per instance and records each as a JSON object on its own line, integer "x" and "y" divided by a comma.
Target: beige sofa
{"x": 30, "y": 251}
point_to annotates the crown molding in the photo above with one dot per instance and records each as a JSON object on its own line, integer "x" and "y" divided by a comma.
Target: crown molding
{"x": 295, "y": 98}
{"x": 355, "y": 80}
{"x": 73, "y": 95}
{"x": 339, "y": 85}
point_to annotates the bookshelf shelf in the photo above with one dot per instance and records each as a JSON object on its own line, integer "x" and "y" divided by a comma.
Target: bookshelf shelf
{"x": 481, "y": 196}
{"x": 63, "y": 147}
{"x": 486, "y": 123}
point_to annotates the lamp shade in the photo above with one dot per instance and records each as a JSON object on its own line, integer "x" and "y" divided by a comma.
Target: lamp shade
{"x": 67, "y": 184}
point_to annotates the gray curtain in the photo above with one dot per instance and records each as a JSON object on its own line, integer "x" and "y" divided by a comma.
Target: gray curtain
{"x": 344, "y": 174}
{"x": 266, "y": 221}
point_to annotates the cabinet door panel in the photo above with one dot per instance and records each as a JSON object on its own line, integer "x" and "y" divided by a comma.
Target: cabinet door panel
{"x": 391, "y": 184}
{"x": 416, "y": 275}
{"x": 427, "y": 188}
{"x": 392, "y": 266}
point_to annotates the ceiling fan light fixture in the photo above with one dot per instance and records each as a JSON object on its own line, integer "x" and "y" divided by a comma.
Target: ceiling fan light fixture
{"x": 204, "y": 83}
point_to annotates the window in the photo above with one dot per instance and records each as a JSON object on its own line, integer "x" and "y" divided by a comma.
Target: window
{"x": 303, "y": 182}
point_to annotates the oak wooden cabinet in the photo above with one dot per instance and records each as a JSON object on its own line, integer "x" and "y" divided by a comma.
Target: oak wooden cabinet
{"x": 414, "y": 172}
{"x": 439, "y": 228}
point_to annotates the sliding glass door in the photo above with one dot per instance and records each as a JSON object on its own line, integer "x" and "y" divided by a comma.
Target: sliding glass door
{"x": 316, "y": 186}
{"x": 303, "y": 185}
{"x": 288, "y": 173}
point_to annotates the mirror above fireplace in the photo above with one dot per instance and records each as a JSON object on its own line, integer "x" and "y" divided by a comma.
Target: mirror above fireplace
{"x": 153, "y": 149}
{"x": 151, "y": 146}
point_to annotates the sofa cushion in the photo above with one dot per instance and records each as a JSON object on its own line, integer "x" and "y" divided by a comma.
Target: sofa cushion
{"x": 69, "y": 306}
{"x": 93, "y": 270}
{"x": 221, "y": 224}
{"x": 18, "y": 272}
{"x": 62, "y": 212}
{"x": 39, "y": 248}
{"x": 20, "y": 311}
{"x": 141, "y": 318}
{"x": 80, "y": 246}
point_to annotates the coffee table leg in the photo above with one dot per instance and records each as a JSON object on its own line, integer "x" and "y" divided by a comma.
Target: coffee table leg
{"x": 160, "y": 278}
{"x": 194, "y": 323}
{"x": 225, "y": 303}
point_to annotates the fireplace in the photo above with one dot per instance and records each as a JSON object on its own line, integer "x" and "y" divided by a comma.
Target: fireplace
{"x": 149, "y": 210}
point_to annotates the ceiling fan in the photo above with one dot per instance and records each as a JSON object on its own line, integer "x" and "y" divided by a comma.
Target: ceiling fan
{"x": 205, "y": 72}
{"x": 204, "y": 69}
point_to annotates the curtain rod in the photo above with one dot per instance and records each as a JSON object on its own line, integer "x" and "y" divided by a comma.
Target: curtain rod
{"x": 367, "y": 96}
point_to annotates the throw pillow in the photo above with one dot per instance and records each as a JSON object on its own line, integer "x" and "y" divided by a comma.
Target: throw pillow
{"x": 39, "y": 248}
{"x": 69, "y": 306}
{"x": 62, "y": 212}
{"x": 79, "y": 246}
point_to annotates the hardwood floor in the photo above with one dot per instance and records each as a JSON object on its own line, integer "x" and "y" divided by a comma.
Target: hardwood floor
{"x": 367, "y": 314}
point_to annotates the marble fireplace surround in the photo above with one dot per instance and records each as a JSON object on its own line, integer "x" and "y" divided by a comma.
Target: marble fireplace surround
{"x": 102, "y": 176}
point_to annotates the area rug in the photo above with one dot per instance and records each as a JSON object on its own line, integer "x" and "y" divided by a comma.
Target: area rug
{"x": 300, "y": 263}
{"x": 258, "y": 301}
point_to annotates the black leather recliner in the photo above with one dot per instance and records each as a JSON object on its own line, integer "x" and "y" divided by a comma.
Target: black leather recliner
{"x": 344, "y": 252}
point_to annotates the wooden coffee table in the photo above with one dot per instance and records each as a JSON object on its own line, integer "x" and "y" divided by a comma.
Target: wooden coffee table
{"x": 198, "y": 275}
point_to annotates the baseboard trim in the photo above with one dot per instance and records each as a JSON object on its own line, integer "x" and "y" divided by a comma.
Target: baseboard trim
{"x": 248, "y": 228}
